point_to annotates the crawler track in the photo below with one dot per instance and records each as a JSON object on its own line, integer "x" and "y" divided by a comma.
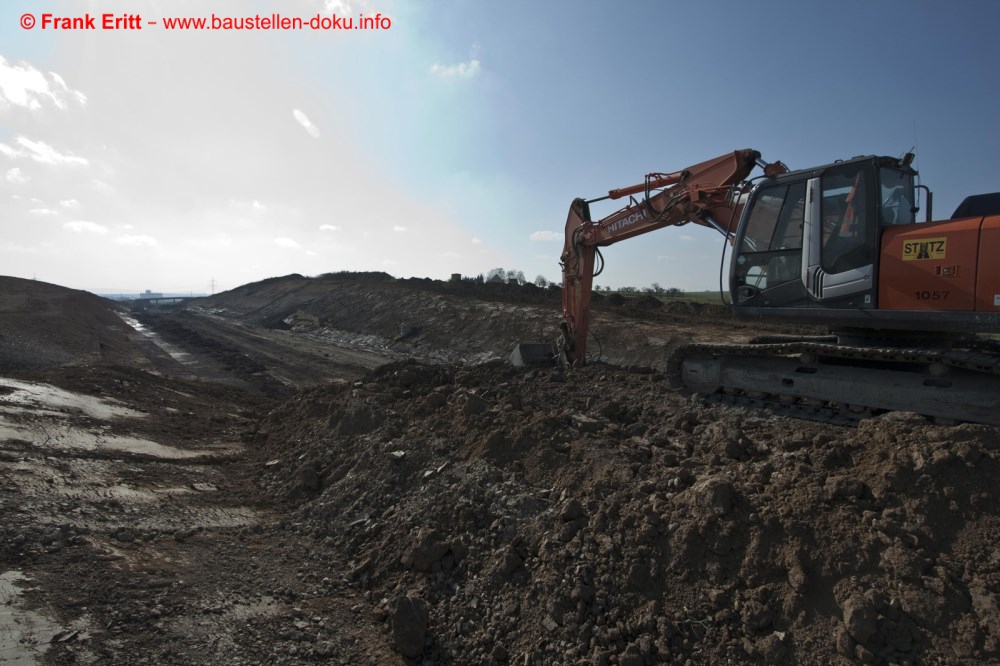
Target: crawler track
{"x": 843, "y": 384}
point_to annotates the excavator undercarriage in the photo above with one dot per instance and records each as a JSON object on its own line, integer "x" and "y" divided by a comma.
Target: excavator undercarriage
{"x": 842, "y": 384}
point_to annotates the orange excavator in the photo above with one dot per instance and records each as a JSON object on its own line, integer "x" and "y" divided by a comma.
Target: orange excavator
{"x": 836, "y": 245}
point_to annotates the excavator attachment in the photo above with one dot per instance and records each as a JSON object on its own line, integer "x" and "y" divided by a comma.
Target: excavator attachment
{"x": 534, "y": 354}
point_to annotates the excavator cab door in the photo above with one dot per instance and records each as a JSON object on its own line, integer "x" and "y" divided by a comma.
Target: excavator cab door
{"x": 767, "y": 264}
{"x": 839, "y": 235}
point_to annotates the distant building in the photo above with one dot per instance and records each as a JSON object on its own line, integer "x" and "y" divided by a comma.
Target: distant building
{"x": 151, "y": 294}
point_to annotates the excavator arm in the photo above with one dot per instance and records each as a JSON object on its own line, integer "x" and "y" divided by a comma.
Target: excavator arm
{"x": 707, "y": 194}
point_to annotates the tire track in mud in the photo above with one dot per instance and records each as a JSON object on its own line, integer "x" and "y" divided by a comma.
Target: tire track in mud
{"x": 90, "y": 498}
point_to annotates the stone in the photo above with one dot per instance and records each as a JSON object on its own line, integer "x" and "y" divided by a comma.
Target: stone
{"x": 474, "y": 405}
{"x": 859, "y": 618}
{"x": 310, "y": 478}
{"x": 428, "y": 547}
{"x": 585, "y": 423}
{"x": 572, "y": 510}
{"x": 408, "y": 625}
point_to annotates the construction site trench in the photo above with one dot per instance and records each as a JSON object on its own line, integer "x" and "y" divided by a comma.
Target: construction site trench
{"x": 347, "y": 471}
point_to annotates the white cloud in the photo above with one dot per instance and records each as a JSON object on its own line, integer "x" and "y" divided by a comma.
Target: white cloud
{"x": 219, "y": 242}
{"x": 463, "y": 70}
{"x": 43, "y": 211}
{"x": 328, "y": 227}
{"x": 303, "y": 119}
{"x": 79, "y": 226}
{"x": 23, "y": 85}
{"x": 258, "y": 205}
{"x": 687, "y": 238}
{"x": 137, "y": 241}
{"x": 69, "y": 203}
{"x": 16, "y": 176}
{"x": 477, "y": 241}
{"x": 126, "y": 227}
{"x": 344, "y": 6}
{"x": 40, "y": 152}
{"x": 388, "y": 262}
{"x": 398, "y": 229}
{"x": 286, "y": 242}
{"x": 545, "y": 236}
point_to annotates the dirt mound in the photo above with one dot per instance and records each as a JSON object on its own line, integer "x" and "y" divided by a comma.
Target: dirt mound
{"x": 446, "y": 322}
{"x": 597, "y": 517}
{"x": 44, "y": 325}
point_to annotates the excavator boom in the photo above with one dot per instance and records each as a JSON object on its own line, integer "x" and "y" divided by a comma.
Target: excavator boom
{"x": 708, "y": 194}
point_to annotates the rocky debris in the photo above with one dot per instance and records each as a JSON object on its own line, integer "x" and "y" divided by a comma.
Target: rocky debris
{"x": 557, "y": 522}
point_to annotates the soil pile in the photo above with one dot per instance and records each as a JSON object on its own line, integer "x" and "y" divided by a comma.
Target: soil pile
{"x": 596, "y": 517}
{"x": 44, "y": 325}
{"x": 445, "y": 322}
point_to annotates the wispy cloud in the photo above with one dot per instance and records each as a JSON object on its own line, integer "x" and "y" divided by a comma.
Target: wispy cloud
{"x": 462, "y": 70}
{"x": 303, "y": 119}
{"x": 477, "y": 241}
{"x": 328, "y": 227}
{"x": 137, "y": 241}
{"x": 81, "y": 226}
{"x": 687, "y": 238}
{"x": 69, "y": 203}
{"x": 23, "y": 85}
{"x": 286, "y": 242}
{"x": 545, "y": 236}
{"x": 16, "y": 176}
{"x": 399, "y": 229}
{"x": 40, "y": 152}
{"x": 43, "y": 211}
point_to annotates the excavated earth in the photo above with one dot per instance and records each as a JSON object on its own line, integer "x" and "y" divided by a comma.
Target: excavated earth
{"x": 344, "y": 470}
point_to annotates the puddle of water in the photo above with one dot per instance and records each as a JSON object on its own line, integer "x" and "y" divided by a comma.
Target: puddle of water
{"x": 41, "y": 396}
{"x": 24, "y": 635}
{"x": 27, "y": 413}
{"x": 65, "y": 436}
{"x": 174, "y": 352}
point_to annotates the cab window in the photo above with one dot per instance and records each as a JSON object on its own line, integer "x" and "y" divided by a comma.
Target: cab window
{"x": 846, "y": 233}
{"x": 771, "y": 249}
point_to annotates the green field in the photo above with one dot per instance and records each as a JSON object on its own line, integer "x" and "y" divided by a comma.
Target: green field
{"x": 711, "y": 297}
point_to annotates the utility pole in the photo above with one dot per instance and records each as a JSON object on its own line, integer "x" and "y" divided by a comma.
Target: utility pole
{"x": 213, "y": 286}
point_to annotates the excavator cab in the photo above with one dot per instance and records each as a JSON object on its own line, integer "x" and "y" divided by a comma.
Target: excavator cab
{"x": 810, "y": 239}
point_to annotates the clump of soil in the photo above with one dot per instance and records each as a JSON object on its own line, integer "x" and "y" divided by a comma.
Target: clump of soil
{"x": 594, "y": 516}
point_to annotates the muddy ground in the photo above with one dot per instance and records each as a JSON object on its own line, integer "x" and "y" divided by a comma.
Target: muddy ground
{"x": 344, "y": 471}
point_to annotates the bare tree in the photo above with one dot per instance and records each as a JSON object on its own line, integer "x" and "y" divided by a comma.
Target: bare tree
{"x": 540, "y": 281}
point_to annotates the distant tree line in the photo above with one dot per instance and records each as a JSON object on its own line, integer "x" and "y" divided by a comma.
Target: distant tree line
{"x": 502, "y": 276}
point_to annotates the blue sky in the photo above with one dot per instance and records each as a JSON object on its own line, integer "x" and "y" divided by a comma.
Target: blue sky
{"x": 455, "y": 140}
